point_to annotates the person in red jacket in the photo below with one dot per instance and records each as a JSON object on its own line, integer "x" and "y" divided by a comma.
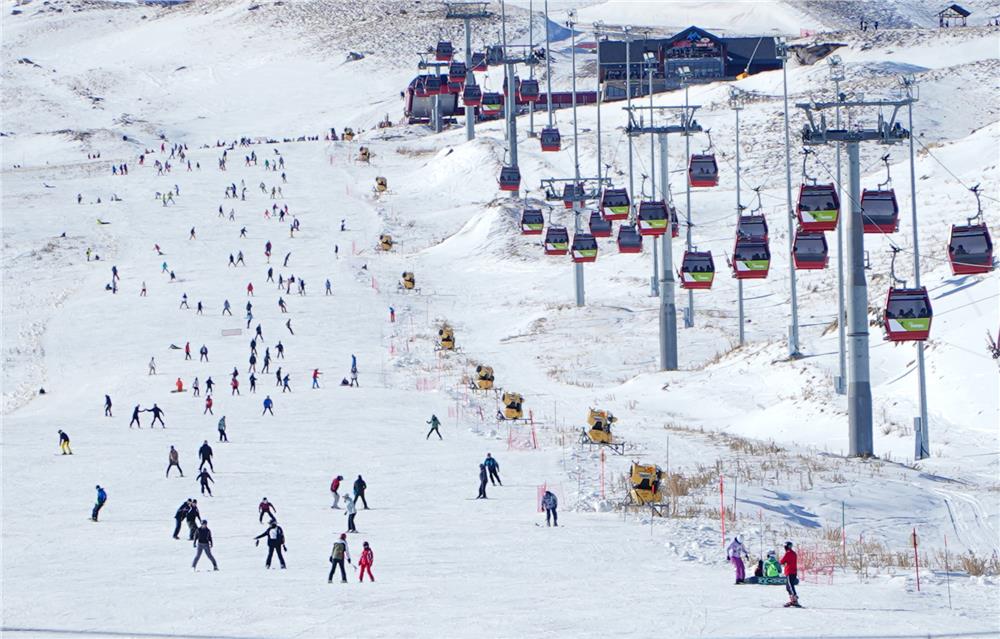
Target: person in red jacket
{"x": 266, "y": 507}
{"x": 236, "y": 386}
{"x": 367, "y": 558}
{"x": 335, "y": 489}
{"x": 250, "y": 288}
{"x": 208, "y": 406}
{"x": 790, "y": 560}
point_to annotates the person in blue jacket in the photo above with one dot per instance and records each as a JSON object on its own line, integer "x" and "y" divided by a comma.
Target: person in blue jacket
{"x": 494, "y": 469}
{"x": 102, "y": 497}
{"x": 549, "y": 504}
{"x": 268, "y": 403}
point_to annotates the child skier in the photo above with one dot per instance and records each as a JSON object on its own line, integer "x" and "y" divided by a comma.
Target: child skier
{"x": 366, "y": 561}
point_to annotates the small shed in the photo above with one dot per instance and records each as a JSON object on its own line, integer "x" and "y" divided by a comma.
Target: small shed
{"x": 952, "y": 15}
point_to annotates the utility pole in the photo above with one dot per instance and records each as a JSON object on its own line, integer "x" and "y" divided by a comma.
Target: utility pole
{"x": 548, "y": 66}
{"x": 467, "y": 12}
{"x": 510, "y": 100}
{"x": 654, "y": 282}
{"x": 578, "y": 267}
{"x": 628, "y": 102}
{"x": 921, "y": 436}
{"x": 837, "y": 75}
{"x": 886, "y": 131}
{"x": 793, "y": 331}
{"x": 689, "y": 315}
{"x": 668, "y": 305}
{"x": 531, "y": 69}
{"x": 734, "y": 102}
{"x": 597, "y": 42}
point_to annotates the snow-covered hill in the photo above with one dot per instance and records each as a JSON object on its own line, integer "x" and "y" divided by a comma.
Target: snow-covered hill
{"x": 83, "y": 77}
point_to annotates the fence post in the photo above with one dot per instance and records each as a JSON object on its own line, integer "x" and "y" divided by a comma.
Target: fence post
{"x": 947, "y": 570}
{"x": 916, "y": 558}
{"x": 722, "y": 510}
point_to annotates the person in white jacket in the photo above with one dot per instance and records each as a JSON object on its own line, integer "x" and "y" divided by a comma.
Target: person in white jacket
{"x": 351, "y": 511}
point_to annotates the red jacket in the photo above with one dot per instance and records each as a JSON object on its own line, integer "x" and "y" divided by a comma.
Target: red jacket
{"x": 335, "y": 485}
{"x": 266, "y": 507}
{"x": 367, "y": 557}
{"x": 790, "y": 561}
{"x": 208, "y": 401}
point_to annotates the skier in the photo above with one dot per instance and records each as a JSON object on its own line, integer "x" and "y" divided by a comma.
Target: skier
{"x": 790, "y": 560}
{"x": 337, "y": 556}
{"x": 354, "y": 378}
{"x": 201, "y": 308}
{"x": 315, "y": 378}
{"x": 282, "y": 305}
{"x": 203, "y": 352}
{"x": 392, "y": 315}
{"x": 203, "y": 542}
{"x": 179, "y": 385}
{"x": 329, "y": 289}
{"x": 266, "y": 507}
{"x": 288, "y": 325}
{"x": 184, "y": 301}
{"x": 102, "y": 497}
{"x": 482, "y": 482}
{"x": 107, "y": 406}
{"x": 187, "y": 351}
{"x": 235, "y": 384}
{"x": 208, "y": 406}
{"x": 152, "y": 366}
{"x": 222, "y": 430}
{"x": 771, "y": 566}
{"x": 366, "y": 561}
{"x": 249, "y": 288}
{"x": 204, "y": 478}
{"x": 239, "y": 258}
{"x": 359, "y": 491}
{"x": 550, "y": 504}
{"x": 192, "y": 517}
{"x": 64, "y": 443}
{"x": 736, "y": 553}
{"x": 205, "y": 453}
{"x": 268, "y": 404}
{"x": 253, "y": 383}
{"x": 135, "y": 415}
{"x": 493, "y": 468}
{"x": 275, "y": 543}
{"x": 157, "y": 415}
{"x": 435, "y": 423}
{"x": 209, "y": 384}
{"x": 351, "y": 510}
{"x": 281, "y": 350}
{"x": 179, "y": 517}
{"x": 172, "y": 460}
{"x": 284, "y": 383}
{"x": 335, "y": 489}
{"x": 225, "y": 308}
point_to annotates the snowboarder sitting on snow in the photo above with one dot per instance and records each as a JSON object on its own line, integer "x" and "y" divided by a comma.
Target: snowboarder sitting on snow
{"x": 771, "y": 566}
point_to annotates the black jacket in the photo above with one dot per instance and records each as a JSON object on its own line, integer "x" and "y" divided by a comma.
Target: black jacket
{"x": 193, "y": 514}
{"x": 279, "y": 539}
{"x": 203, "y": 535}
{"x": 359, "y": 486}
{"x": 205, "y": 451}
{"x": 183, "y": 511}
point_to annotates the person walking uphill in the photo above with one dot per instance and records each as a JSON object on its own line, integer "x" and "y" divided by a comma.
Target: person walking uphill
{"x": 102, "y": 497}
{"x": 550, "y": 504}
{"x": 359, "y": 491}
{"x": 493, "y": 468}
{"x": 275, "y": 543}
{"x": 172, "y": 460}
{"x": 736, "y": 553}
{"x": 435, "y": 424}
{"x": 482, "y": 482}
{"x": 203, "y": 542}
{"x": 337, "y": 556}
{"x": 790, "y": 560}
{"x": 64, "y": 443}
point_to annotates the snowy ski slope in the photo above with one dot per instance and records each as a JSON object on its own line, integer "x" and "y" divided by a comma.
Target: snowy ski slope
{"x": 446, "y": 564}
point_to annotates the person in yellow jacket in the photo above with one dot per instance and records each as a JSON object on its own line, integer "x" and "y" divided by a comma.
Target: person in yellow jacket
{"x": 64, "y": 443}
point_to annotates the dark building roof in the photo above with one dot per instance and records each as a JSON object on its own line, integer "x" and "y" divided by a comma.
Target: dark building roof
{"x": 745, "y": 47}
{"x": 955, "y": 10}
